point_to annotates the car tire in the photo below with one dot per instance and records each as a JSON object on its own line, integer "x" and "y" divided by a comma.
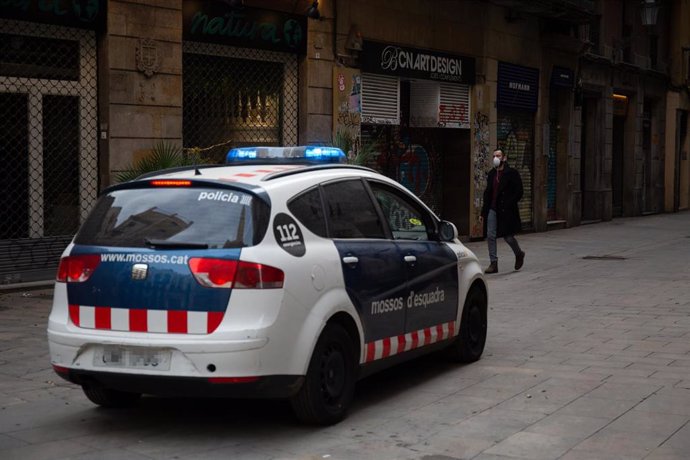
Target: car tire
{"x": 106, "y": 397}
{"x": 329, "y": 385}
{"x": 469, "y": 345}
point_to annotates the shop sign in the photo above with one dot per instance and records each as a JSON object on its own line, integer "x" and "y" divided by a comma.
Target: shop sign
{"x": 562, "y": 77}
{"x": 218, "y": 22}
{"x": 89, "y": 14}
{"x": 518, "y": 87}
{"x": 401, "y": 61}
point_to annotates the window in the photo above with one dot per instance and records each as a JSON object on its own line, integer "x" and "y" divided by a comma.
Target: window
{"x": 128, "y": 218}
{"x": 236, "y": 100}
{"x": 350, "y": 211}
{"x": 406, "y": 221}
{"x": 38, "y": 57}
{"x": 309, "y": 211}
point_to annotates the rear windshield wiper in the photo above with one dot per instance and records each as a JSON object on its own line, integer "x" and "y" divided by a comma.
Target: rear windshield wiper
{"x": 175, "y": 244}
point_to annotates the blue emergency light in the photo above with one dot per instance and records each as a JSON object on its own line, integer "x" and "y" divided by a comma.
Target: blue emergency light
{"x": 310, "y": 154}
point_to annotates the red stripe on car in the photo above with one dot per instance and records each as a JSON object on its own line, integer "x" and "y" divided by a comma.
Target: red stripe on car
{"x": 138, "y": 320}
{"x": 427, "y": 336}
{"x": 102, "y": 317}
{"x": 371, "y": 352}
{"x": 74, "y": 314}
{"x": 177, "y": 321}
{"x": 386, "y": 347}
{"x": 213, "y": 321}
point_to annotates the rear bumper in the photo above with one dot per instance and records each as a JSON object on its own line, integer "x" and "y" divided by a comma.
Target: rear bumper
{"x": 269, "y": 386}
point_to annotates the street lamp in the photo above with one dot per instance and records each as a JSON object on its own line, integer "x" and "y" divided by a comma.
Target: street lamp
{"x": 313, "y": 10}
{"x": 649, "y": 9}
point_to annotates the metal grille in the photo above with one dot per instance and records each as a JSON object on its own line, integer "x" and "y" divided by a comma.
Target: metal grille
{"x": 48, "y": 144}
{"x": 424, "y": 102}
{"x": 238, "y": 97}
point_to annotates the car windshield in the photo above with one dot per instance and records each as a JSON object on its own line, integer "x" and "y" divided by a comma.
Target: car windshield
{"x": 175, "y": 217}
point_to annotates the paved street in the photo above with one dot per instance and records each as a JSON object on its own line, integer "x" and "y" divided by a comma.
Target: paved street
{"x": 588, "y": 357}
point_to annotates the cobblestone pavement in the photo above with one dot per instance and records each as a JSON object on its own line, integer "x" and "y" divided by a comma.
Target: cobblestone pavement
{"x": 588, "y": 357}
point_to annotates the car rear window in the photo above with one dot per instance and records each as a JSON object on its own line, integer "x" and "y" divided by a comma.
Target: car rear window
{"x": 218, "y": 218}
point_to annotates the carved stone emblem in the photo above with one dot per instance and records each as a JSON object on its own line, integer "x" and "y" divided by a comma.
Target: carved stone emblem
{"x": 147, "y": 57}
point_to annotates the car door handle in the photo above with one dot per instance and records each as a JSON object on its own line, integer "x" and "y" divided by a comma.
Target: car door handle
{"x": 350, "y": 260}
{"x": 410, "y": 259}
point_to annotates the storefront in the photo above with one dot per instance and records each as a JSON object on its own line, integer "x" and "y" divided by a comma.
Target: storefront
{"x": 415, "y": 108}
{"x": 240, "y": 75}
{"x": 48, "y": 130}
{"x": 560, "y": 103}
{"x": 517, "y": 99}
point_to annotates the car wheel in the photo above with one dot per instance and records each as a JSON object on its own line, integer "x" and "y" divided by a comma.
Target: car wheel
{"x": 469, "y": 345}
{"x": 330, "y": 382}
{"x": 110, "y": 398}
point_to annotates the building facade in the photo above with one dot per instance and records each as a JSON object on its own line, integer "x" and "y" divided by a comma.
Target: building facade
{"x": 677, "y": 164}
{"x": 589, "y": 102}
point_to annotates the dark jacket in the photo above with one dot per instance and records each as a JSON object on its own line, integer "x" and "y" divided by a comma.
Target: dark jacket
{"x": 509, "y": 193}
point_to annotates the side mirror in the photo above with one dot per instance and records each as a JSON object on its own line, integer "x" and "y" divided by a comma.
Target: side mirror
{"x": 447, "y": 231}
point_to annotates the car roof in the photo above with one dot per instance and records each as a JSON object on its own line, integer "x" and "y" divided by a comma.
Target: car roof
{"x": 265, "y": 176}
{"x": 269, "y": 178}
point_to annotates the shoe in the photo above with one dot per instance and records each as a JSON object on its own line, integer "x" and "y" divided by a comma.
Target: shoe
{"x": 492, "y": 268}
{"x": 519, "y": 260}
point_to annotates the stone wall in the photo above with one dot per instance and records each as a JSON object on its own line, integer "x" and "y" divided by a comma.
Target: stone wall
{"x": 142, "y": 109}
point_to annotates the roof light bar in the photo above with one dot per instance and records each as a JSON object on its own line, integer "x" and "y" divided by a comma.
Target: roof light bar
{"x": 312, "y": 154}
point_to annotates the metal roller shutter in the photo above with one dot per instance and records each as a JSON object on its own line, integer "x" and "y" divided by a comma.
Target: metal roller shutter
{"x": 454, "y": 109}
{"x": 380, "y": 100}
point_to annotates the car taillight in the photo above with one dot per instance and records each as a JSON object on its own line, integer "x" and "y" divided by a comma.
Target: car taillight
{"x": 258, "y": 276}
{"x": 77, "y": 269}
{"x": 216, "y": 273}
{"x": 220, "y": 273}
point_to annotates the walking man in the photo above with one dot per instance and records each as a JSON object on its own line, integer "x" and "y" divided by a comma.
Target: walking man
{"x": 500, "y": 213}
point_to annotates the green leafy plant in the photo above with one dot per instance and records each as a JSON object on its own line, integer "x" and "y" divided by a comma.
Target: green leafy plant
{"x": 365, "y": 155}
{"x": 163, "y": 155}
{"x": 357, "y": 153}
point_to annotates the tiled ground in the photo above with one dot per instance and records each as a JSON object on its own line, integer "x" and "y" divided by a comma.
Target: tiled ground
{"x": 586, "y": 359}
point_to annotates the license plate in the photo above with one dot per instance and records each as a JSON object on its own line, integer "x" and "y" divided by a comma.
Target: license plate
{"x": 153, "y": 359}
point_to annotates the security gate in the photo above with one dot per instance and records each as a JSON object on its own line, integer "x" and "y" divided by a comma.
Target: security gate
{"x": 515, "y": 135}
{"x": 48, "y": 144}
{"x": 238, "y": 97}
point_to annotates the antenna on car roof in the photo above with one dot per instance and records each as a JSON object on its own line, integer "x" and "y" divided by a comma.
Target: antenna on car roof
{"x": 196, "y": 171}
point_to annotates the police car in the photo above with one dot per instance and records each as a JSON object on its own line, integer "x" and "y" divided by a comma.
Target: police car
{"x": 260, "y": 278}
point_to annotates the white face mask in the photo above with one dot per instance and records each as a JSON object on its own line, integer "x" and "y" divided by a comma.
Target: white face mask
{"x": 497, "y": 162}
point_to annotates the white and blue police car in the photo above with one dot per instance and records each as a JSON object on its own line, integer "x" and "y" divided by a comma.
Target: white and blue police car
{"x": 283, "y": 274}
